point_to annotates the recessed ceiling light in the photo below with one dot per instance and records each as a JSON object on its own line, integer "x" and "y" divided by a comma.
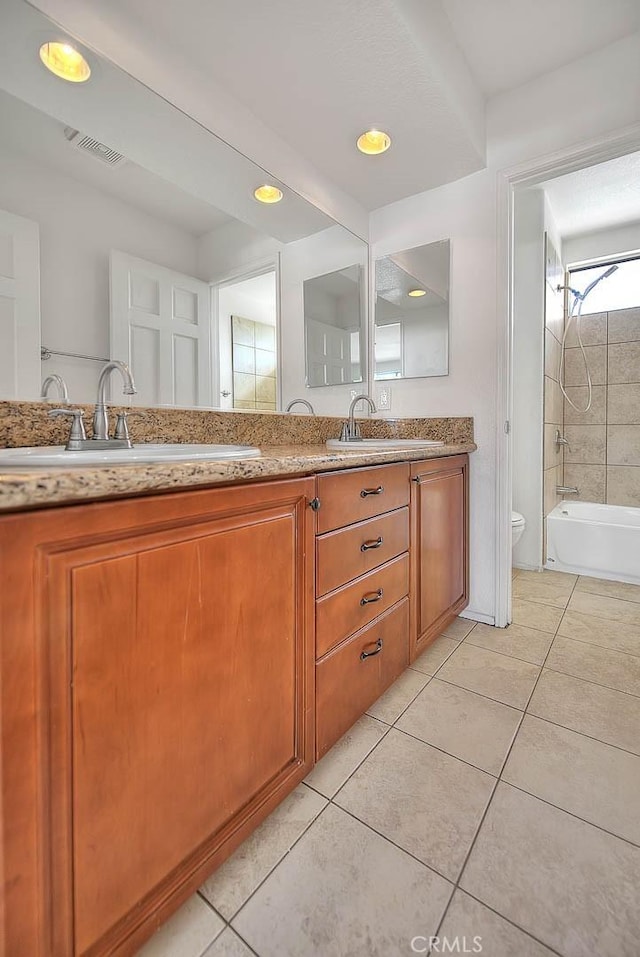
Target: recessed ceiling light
{"x": 268, "y": 194}
{"x": 65, "y": 61}
{"x": 373, "y": 142}
{"x": 416, "y": 293}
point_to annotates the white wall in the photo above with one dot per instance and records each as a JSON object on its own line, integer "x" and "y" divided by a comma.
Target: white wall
{"x": 604, "y": 242}
{"x": 78, "y": 227}
{"x": 584, "y": 100}
{"x": 425, "y": 341}
{"x": 465, "y": 212}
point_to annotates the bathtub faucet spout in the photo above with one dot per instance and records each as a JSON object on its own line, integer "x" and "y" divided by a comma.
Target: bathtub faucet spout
{"x": 567, "y": 490}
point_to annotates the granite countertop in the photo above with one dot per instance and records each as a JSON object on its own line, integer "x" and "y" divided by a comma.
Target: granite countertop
{"x": 42, "y": 487}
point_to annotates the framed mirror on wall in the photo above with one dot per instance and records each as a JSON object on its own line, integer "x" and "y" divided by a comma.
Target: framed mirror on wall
{"x": 128, "y": 231}
{"x": 411, "y": 319}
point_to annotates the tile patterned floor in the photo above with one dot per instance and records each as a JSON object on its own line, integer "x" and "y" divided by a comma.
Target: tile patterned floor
{"x": 493, "y": 792}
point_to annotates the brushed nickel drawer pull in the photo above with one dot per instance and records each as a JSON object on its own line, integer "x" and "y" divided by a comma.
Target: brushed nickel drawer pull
{"x": 374, "y": 544}
{"x": 372, "y": 491}
{"x": 376, "y": 597}
{"x": 371, "y": 654}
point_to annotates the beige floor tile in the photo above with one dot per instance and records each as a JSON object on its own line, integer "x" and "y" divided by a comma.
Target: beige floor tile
{"x": 233, "y": 883}
{"x": 393, "y": 702}
{"x": 598, "y": 631}
{"x": 569, "y": 883}
{"x": 599, "y": 586}
{"x": 343, "y": 890}
{"x": 534, "y": 615}
{"x": 466, "y": 725}
{"x": 425, "y": 801}
{"x": 187, "y": 933}
{"x": 468, "y": 918}
{"x": 459, "y": 628}
{"x": 564, "y": 579}
{"x": 516, "y": 571}
{"x": 340, "y": 762}
{"x": 540, "y": 590}
{"x": 529, "y": 644}
{"x": 600, "y": 665}
{"x": 593, "y": 780}
{"x": 228, "y": 944}
{"x": 614, "y": 609}
{"x": 435, "y": 655}
{"x": 505, "y": 679}
{"x": 609, "y": 716}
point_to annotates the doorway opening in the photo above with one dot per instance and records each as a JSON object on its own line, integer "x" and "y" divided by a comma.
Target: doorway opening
{"x": 247, "y": 318}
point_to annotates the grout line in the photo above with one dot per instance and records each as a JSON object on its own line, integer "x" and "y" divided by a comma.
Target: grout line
{"x": 599, "y": 684}
{"x": 499, "y": 778}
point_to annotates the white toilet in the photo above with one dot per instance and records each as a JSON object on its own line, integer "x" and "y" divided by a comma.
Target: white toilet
{"x": 517, "y": 527}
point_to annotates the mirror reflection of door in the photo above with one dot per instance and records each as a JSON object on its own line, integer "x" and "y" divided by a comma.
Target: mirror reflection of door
{"x": 333, "y": 308}
{"x": 247, "y": 326}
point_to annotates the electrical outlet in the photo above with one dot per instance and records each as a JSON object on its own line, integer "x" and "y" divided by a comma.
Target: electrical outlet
{"x": 384, "y": 397}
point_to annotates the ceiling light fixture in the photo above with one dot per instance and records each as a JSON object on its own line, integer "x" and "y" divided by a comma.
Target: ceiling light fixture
{"x": 416, "y": 293}
{"x": 268, "y": 194}
{"x": 373, "y": 142}
{"x": 65, "y": 61}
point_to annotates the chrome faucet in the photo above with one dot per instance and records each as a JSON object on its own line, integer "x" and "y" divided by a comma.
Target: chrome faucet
{"x": 300, "y": 402}
{"x": 560, "y": 440}
{"x": 567, "y": 490}
{"x": 100, "y": 419}
{"x": 350, "y": 429}
{"x": 55, "y": 379}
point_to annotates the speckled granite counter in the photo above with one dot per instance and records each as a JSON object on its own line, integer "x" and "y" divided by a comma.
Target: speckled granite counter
{"x": 290, "y": 445}
{"x": 42, "y": 487}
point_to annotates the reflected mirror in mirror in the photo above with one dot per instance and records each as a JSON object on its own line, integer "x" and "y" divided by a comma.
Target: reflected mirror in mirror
{"x": 333, "y": 322}
{"x": 128, "y": 231}
{"x": 412, "y": 313}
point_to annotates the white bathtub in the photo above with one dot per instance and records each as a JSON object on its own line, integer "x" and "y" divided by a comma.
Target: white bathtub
{"x": 598, "y": 540}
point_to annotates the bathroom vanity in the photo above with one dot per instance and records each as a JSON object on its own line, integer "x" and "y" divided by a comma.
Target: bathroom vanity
{"x": 174, "y": 664}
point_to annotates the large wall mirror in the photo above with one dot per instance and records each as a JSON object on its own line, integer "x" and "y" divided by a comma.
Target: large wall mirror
{"x": 129, "y": 231}
{"x": 412, "y": 313}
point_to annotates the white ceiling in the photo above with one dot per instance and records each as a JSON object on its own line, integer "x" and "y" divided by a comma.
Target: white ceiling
{"x": 510, "y": 42}
{"x": 316, "y": 74}
{"x": 600, "y": 197}
{"x": 40, "y": 138}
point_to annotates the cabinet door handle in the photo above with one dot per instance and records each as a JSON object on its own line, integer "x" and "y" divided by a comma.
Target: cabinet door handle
{"x": 374, "y": 544}
{"x": 372, "y": 491}
{"x": 371, "y": 654}
{"x": 369, "y": 599}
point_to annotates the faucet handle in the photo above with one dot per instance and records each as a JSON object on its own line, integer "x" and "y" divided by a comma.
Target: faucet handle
{"x": 122, "y": 427}
{"x": 77, "y": 433}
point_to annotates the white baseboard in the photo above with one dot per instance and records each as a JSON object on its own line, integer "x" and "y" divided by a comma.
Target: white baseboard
{"x": 478, "y": 616}
{"x": 528, "y": 568}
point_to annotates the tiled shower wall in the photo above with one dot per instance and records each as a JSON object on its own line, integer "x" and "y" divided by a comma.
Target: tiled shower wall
{"x": 604, "y": 459}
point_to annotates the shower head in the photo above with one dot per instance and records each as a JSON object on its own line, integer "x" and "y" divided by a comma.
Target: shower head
{"x": 583, "y": 295}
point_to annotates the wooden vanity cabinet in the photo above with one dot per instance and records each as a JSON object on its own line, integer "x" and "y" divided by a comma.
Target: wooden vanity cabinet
{"x": 157, "y": 702}
{"x": 439, "y": 546}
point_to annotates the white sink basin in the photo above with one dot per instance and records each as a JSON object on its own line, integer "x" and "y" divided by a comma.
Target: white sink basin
{"x": 370, "y": 445}
{"x": 56, "y": 456}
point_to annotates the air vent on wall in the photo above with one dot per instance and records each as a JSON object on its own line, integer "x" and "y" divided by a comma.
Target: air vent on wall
{"x": 87, "y": 144}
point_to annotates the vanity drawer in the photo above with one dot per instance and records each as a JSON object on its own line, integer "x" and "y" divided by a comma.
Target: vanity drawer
{"x": 347, "y": 683}
{"x": 353, "y": 495}
{"x": 349, "y": 552}
{"x": 342, "y": 612}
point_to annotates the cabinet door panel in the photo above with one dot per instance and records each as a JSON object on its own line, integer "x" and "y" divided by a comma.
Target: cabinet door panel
{"x": 439, "y": 543}
{"x": 168, "y": 644}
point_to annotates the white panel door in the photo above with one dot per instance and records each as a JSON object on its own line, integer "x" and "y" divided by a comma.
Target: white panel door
{"x": 328, "y": 354}
{"x": 160, "y": 324}
{"x": 20, "y": 370}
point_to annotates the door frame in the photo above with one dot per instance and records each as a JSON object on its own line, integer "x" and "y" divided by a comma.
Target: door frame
{"x": 530, "y": 173}
{"x": 231, "y": 278}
